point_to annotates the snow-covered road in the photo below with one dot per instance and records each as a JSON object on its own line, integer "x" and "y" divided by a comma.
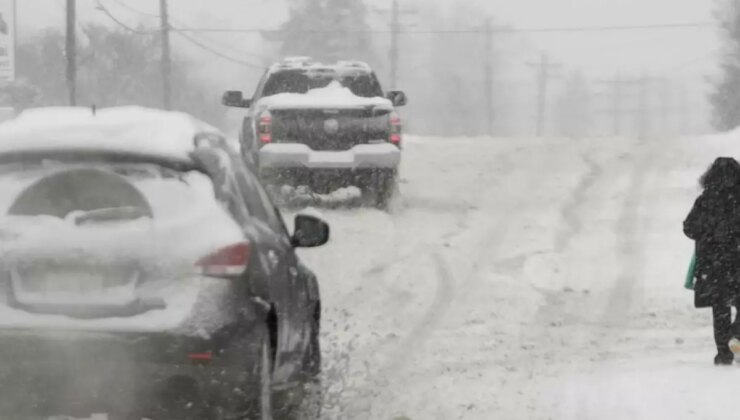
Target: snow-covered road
{"x": 523, "y": 279}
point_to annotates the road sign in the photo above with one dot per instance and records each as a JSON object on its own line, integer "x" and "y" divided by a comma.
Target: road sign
{"x": 7, "y": 41}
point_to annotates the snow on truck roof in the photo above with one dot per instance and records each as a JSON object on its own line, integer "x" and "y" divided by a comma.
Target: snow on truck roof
{"x": 136, "y": 130}
{"x": 333, "y": 95}
{"x": 306, "y": 63}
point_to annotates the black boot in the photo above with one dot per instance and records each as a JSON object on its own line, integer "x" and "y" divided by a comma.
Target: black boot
{"x": 724, "y": 358}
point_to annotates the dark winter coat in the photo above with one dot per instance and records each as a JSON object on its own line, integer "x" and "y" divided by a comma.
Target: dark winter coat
{"x": 714, "y": 223}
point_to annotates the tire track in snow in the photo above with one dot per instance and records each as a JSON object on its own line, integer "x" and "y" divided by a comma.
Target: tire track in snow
{"x": 632, "y": 258}
{"x": 484, "y": 232}
{"x": 570, "y": 211}
{"x": 424, "y": 246}
{"x": 360, "y": 404}
{"x": 443, "y": 297}
{"x": 554, "y": 307}
{"x": 503, "y": 163}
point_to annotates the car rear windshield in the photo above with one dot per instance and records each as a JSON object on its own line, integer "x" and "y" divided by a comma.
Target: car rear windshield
{"x": 65, "y": 189}
{"x": 361, "y": 83}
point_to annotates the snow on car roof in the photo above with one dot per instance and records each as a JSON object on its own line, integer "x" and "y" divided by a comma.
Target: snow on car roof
{"x": 333, "y": 95}
{"x": 137, "y": 130}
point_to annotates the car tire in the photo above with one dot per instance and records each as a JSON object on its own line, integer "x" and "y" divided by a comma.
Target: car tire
{"x": 304, "y": 402}
{"x": 254, "y": 399}
{"x": 385, "y": 186}
{"x": 263, "y": 404}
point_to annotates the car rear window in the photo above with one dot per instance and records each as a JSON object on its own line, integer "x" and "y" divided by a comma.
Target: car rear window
{"x": 59, "y": 189}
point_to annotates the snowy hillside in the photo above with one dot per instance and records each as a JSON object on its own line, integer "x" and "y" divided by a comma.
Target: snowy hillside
{"x": 523, "y": 279}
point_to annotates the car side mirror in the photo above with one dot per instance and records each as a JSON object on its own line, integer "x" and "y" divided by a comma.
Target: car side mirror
{"x": 310, "y": 232}
{"x": 235, "y": 98}
{"x": 397, "y": 97}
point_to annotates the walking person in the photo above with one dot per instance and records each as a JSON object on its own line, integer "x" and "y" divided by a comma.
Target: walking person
{"x": 714, "y": 225}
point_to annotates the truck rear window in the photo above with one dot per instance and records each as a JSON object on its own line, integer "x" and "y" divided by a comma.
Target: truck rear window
{"x": 362, "y": 84}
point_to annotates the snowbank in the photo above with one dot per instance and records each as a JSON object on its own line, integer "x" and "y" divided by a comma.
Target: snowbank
{"x": 523, "y": 279}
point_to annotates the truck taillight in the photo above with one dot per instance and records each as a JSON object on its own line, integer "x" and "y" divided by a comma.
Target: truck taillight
{"x": 396, "y": 126}
{"x": 228, "y": 262}
{"x": 264, "y": 127}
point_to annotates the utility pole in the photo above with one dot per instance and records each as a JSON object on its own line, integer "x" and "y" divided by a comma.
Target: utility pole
{"x": 666, "y": 128}
{"x": 684, "y": 111}
{"x": 395, "y": 33}
{"x": 166, "y": 57}
{"x": 396, "y": 24}
{"x": 545, "y": 71}
{"x": 616, "y": 87}
{"x": 488, "y": 77}
{"x": 643, "y": 84}
{"x": 14, "y": 48}
{"x": 542, "y": 79}
{"x": 71, "y": 52}
{"x": 642, "y": 120}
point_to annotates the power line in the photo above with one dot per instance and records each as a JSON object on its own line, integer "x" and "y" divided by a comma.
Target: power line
{"x": 180, "y": 23}
{"x": 223, "y": 46}
{"x": 133, "y": 10}
{"x": 218, "y": 53}
{"x": 192, "y": 40}
{"x": 118, "y": 22}
{"x": 664, "y": 26}
{"x": 692, "y": 62}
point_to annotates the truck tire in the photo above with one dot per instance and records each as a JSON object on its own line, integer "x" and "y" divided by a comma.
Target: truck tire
{"x": 385, "y": 186}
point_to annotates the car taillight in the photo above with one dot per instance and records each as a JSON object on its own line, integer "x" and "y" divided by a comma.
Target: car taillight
{"x": 396, "y": 126}
{"x": 228, "y": 262}
{"x": 264, "y": 127}
{"x": 201, "y": 358}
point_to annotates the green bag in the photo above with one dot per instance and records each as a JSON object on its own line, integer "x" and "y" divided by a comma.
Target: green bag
{"x": 689, "y": 283}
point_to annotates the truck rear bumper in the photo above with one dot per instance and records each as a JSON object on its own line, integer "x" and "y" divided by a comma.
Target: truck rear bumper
{"x": 363, "y": 156}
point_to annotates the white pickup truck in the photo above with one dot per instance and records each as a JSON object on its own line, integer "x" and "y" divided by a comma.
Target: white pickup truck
{"x": 323, "y": 126}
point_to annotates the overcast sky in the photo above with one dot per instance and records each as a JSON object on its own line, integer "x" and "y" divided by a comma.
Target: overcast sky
{"x": 686, "y": 55}
{"x": 689, "y": 50}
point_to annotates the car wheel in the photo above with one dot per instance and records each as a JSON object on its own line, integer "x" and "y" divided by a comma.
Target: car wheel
{"x": 263, "y": 410}
{"x": 305, "y": 401}
{"x": 252, "y": 400}
{"x": 385, "y": 186}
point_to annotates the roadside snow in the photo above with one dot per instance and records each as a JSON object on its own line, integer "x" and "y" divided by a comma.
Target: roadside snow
{"x": 523, "y": 279}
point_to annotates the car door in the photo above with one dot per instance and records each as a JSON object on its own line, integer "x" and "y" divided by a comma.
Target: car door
{"x": 289, "y": 290}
